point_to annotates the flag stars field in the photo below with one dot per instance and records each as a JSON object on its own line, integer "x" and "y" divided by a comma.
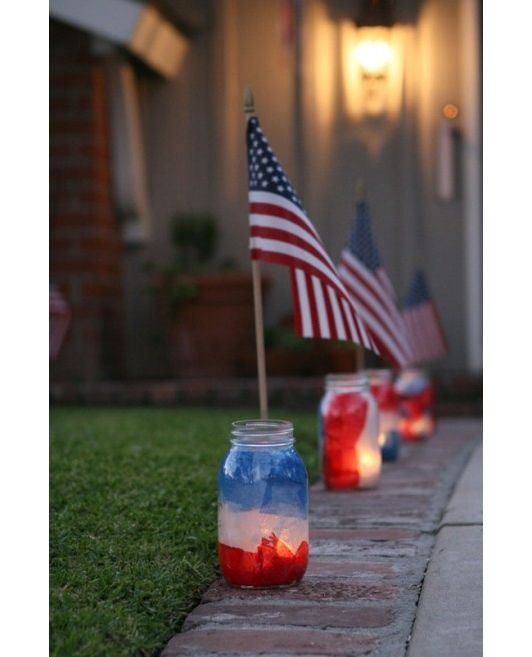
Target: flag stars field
{"x": 265, "y": 171}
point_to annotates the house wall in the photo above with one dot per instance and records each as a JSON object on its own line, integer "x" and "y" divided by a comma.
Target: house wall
{"x": 180, "y": 177}
{"x": 443, "y": 254}
{"x": 85, "y": 248}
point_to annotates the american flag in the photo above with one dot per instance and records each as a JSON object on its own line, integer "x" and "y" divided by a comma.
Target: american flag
{"x": 423, "y": 322}
{"x": 281, "y": 233}
{"x": 59, "y": 320}
{"x": 370, "y": 288}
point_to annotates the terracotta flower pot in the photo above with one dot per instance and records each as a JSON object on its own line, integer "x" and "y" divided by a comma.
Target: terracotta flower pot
{"x": 213, "y": 334}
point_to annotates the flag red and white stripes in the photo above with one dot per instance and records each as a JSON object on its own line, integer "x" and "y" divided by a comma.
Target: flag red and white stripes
{"x": 377, "y": 307}
{"x": 281, "y": 233}
{"x": 423, "y": 322}
{"x": 386, "y": 284}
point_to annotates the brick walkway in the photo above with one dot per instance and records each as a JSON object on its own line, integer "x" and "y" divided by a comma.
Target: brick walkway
{"x": 369, "y": 553}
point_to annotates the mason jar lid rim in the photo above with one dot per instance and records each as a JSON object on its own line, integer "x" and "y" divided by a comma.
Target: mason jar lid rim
{"x": 347, "y": 376}
{"x": 356, "y": 382}
{"x": 261, "y": 428}
{"x": 262, "y": 433}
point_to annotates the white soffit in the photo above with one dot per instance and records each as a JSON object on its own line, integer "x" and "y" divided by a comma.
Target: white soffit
{"x": 139, "y": 27}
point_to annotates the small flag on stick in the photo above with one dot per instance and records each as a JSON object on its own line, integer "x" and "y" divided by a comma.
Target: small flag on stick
{"x": 282, "y": 233}
{"x": 370, "y": 288}
{"x": 423, "y": 321}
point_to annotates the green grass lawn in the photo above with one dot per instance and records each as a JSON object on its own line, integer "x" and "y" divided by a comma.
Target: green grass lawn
{"x": 133, "y": 521}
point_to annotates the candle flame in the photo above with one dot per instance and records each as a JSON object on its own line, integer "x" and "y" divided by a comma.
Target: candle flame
{"x": 369, "y": 460}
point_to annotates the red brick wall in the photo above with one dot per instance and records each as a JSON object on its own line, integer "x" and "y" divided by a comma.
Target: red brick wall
{"x": 85, "y": 245}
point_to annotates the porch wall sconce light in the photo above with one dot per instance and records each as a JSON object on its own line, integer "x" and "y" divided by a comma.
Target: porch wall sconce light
{"x": 373, "y": 53}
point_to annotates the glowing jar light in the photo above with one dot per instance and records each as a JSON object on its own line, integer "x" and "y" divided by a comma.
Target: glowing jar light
{"x": 262, "y": 507}
{"x": 349, "y": 428}
{"x": 382, "y": 388}
{"x": 416, "y": 405}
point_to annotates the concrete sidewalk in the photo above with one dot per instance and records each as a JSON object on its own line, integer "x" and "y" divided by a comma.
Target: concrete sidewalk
{"x": 367, "y": 590}
{"x": 449, "y": 617}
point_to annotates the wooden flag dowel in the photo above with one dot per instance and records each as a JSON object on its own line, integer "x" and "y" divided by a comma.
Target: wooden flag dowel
{"x": 259, "y": 335}
{"x": 249, "y": 108}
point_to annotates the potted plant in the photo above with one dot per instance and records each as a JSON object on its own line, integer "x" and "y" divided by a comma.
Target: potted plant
{"x": 289, "y": 355}
{"x": 209, "y": 304}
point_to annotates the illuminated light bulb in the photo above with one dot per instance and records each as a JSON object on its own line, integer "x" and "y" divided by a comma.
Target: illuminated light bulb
{"x": 373, "y": 56}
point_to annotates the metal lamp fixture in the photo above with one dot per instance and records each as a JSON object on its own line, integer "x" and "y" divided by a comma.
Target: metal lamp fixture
{"x": 375, "y": 13}
{"x": 373, "y": 57}
{"x": 374, "y": 52}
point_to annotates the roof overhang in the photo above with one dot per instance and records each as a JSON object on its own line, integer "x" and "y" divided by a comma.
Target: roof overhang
{"x": 137, "y": 26}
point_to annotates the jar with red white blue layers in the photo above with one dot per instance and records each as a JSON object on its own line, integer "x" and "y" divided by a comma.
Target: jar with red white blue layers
{"x": 263, "y": 529}
{"x": 382, "y": 388}
{"x": 416, "y": 405}
{"x": 349, "y": 428}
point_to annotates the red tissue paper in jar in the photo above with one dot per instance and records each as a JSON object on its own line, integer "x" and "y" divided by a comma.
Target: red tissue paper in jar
{"x": 416, "y": 405}
{"x": 350, "y": 452}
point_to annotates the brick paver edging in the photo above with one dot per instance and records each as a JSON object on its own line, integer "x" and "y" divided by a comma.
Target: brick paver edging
{"x": 369, "y": 552}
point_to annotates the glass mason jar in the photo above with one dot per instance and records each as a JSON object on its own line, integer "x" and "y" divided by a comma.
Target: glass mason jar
{"x": 263, "y": 532}
{"x": 416, "y": 404}
{"x": 349, "y": 428}
{"x": 382, "y": 388}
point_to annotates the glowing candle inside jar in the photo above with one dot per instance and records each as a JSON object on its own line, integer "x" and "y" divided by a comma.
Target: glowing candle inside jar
{"x": 416, "y": 405}
{"x": 388, "y": 422}
{"x": 261, "y": 549}
{"x": 262, "y": 507}
{"x": 369, "y": 465}
{"x": 349, "y": 420}
{"x": 382, "y": 389}
{"x": 418, "y": 426}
